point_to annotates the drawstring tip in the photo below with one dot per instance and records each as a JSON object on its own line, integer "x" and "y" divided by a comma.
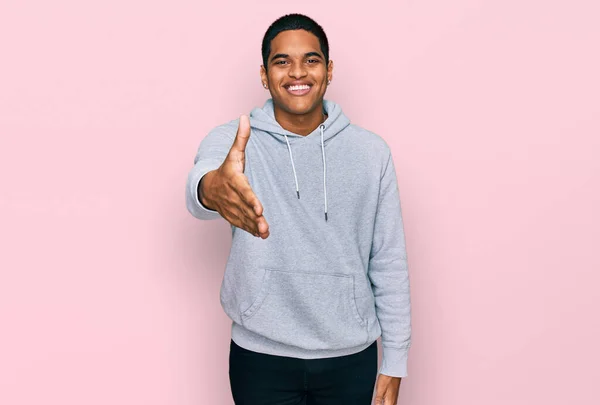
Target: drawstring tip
{"x": 298, "y": 192}
{"x": 325, "y": 217}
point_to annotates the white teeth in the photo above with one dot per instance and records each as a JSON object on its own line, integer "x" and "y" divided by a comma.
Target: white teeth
{"x": 300, "y": 87}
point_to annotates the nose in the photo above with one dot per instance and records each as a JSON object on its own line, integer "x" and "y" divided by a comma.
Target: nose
{"x": 297, "y": 70}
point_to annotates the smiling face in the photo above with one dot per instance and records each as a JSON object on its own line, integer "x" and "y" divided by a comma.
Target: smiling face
{"x": 297, "y": 75}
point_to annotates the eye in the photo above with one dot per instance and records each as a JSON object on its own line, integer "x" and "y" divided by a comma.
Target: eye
{"x": 280, "y": 62}
{"x": 313, "y": 61}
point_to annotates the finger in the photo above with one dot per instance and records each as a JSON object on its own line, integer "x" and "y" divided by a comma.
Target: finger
{"x": 245, "y": 210}
{"x": 247, "y": 223}
{"x": 264, "y": 235}
{"x": 258, "y": 223}
{"x": 250, "y": 199}
{"x": 236, "y": 218}
{"x": 263, "y": 227}
{"x": 242, "y": 135}
{"x": 252, "y": 206}
{"x": 242, "y": 207}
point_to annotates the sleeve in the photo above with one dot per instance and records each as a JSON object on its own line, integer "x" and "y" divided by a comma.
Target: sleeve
{"x": 211, "y": 154}
{"x": 388, "y": 272}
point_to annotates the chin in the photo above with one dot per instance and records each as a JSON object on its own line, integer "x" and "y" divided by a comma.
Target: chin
{"x": 298, "y": 107}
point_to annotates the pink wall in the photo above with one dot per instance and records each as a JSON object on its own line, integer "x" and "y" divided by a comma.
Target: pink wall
{"x": 109, "y": 288}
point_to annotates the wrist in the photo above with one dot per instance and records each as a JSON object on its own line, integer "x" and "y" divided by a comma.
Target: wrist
{"x": 204, "y": 190}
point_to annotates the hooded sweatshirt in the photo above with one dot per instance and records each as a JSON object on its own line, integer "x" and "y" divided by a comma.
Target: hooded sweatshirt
{"x": 332, "y": 276}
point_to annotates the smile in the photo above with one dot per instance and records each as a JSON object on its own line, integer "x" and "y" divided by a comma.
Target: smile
{"x": 298, "y": 90}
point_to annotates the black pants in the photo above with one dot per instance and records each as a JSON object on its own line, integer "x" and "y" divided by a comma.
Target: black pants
{"x": 263, "y": 379}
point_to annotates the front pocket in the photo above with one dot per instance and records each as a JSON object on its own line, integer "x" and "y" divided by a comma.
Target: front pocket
{"x": 306, "y": 309}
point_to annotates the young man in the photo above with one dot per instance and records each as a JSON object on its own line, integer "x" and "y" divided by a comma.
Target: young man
{"x": 318, "y": 267}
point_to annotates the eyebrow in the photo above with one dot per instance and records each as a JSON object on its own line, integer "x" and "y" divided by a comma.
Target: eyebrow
{"x": 285, "y": 55}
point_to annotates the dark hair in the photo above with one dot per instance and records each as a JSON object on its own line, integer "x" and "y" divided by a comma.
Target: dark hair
{"x": 294, "y": 22}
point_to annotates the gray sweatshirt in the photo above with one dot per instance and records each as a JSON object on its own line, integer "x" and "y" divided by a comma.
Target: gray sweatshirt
{"x": 332, "y": 276}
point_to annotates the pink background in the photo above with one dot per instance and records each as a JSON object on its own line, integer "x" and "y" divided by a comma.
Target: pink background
{"x": 109, "y": 288}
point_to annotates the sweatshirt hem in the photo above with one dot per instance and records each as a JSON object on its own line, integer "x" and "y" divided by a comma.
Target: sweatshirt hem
{"x": 257, "y": 343}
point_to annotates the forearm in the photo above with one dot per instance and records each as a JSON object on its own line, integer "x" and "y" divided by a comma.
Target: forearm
{"x": 388, "y": 271}
{"x": 393, "y": 307}
{"x": 211, "y": 154}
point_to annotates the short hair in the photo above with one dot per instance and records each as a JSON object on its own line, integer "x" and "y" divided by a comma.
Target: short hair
{"x": 294, "y": 22}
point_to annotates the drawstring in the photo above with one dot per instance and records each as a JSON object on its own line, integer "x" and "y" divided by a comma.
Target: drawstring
{"x": 293, "y": 168}
{"x": 324, "y": 170}
{"x": 322, "y": 127}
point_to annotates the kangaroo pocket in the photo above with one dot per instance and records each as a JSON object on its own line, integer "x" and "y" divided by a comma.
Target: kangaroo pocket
{"x": 307, "y": 309}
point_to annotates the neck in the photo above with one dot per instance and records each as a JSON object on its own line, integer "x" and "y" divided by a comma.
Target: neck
{"x": 300, "y": 124}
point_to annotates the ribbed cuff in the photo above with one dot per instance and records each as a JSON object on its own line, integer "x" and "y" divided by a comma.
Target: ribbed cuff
{"x": 394, "y": 362}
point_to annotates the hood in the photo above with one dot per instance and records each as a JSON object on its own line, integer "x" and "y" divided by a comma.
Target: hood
{"x": 263, "y": 118}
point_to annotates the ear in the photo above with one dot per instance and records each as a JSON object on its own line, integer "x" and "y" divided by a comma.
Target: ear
{"x": 263, "y": 76}
{"x": 330, "y": 70}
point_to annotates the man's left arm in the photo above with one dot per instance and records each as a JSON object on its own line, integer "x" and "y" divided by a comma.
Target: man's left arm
{"x": 388, "y": 272}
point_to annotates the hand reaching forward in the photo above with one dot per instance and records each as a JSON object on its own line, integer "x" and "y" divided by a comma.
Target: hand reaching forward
{"x": 228, "y": 191}
{"x": 386, "y": 390}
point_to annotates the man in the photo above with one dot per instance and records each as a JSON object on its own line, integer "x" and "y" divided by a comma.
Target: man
{"x": 318, "y": 268}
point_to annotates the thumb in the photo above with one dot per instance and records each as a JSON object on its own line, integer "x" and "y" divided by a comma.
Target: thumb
{"x": 242, "y": 135}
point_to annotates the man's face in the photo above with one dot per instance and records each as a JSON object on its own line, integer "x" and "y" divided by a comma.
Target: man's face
{"x": 297, "y": 75}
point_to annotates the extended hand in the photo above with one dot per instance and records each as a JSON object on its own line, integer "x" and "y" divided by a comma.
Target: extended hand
{"x": 228, "y": 191}
{"x": 386, "y": 390}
